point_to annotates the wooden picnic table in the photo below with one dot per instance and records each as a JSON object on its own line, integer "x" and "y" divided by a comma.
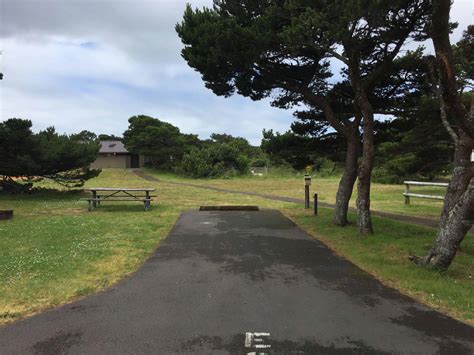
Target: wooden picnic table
{"x": 103, "y": 194}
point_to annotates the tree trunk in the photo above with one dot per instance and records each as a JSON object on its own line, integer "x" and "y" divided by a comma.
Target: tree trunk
{"x": 364, "y": 219}
{"x": 350, "y": 130}
{"x": 458, "y": 210}
{"x": 346, "y": 184}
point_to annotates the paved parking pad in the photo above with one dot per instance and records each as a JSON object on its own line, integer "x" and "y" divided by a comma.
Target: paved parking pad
{"x": 241, "y": 282}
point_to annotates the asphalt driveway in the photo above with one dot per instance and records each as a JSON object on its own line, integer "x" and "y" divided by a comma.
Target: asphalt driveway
{"x": 241, "y": 282}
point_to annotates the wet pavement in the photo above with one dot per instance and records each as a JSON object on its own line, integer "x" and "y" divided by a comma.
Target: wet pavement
{"x": 241, "y": 282}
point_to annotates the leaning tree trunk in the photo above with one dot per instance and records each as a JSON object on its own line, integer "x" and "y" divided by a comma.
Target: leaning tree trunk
{"x": 364, "y": 177}
{"x": 364, "y": 219}
{"x": 346, "y": 184}
{"x": 458, "y": 210}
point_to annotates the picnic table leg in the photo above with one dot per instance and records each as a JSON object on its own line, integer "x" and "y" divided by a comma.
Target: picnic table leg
{"x": 94, "y": 196}
{"x": 90, "y": 205}
{"x": 147, "y": 205}
{"x": 147, "y": 200}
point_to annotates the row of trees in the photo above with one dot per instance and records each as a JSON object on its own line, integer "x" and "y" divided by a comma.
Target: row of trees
{"x": 284, "y": 50}
{"x": 406, "y": 148}
{"x": 412, "y": 145}
{"x": 28, "y": 156}
{"x": 168, "y": 149}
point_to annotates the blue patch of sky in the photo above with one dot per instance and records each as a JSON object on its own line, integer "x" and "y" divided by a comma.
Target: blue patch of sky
{"x": 89, "y": 45}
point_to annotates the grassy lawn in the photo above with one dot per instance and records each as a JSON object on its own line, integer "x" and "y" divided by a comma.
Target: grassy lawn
{"x": 385, "y": 255}
{"x": 54, "y": 251}
{"x": 386, "y": 198}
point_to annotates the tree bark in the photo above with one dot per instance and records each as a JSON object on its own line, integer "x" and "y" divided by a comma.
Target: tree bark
{"x": 346, "y": 184}
{"x": 458, "y": 209}
{"x": 364, "y": 219}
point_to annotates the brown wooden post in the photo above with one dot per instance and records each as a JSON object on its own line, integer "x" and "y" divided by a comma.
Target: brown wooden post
{"x": 315, "y": 207}
{"x": 307, "y": 184}
{"x": 407, "y": 191}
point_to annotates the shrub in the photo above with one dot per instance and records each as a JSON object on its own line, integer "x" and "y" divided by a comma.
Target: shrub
{"x": 214, "y": 160}
{"x": 259, "y": 163}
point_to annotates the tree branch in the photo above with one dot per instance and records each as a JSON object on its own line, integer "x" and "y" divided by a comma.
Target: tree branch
{"x": 338, "y": 56}
{"x": 318, "y": 101}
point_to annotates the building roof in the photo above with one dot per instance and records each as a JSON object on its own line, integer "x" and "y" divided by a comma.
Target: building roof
{"x": 112, "y": 147}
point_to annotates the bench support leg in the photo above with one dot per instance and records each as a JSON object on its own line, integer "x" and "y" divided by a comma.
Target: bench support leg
{"x": 94, "y": 196}
{"x": 147, "y": 200}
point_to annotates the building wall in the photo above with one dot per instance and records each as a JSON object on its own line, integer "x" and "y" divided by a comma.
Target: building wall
{"x": 111, "y": 161}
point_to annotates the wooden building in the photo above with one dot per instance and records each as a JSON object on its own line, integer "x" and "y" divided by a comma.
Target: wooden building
{"x": 113, "y": 154}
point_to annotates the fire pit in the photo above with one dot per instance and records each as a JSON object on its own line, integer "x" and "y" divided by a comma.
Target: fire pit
{"x": 6, "y": 214}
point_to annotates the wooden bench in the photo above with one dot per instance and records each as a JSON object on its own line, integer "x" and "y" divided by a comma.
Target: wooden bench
{"x": 119, "y": 195}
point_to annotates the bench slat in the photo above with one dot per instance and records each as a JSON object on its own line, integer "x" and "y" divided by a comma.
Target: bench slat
{"x": 434, "y": 197}
{"x": 421, "y": 183}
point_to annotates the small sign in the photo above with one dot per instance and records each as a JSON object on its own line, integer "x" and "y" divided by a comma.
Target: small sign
{"x": 307, "y": 180}
{"x": 258, "y": 342}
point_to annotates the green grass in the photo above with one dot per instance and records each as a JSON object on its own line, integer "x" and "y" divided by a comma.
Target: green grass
{"x": 54, "y": 251}
{"x": 386, "y": 198}
{"x": 385, "y": 255}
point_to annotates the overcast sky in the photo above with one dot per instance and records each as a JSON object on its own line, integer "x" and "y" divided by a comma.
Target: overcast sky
{"x": 91, "y": 64}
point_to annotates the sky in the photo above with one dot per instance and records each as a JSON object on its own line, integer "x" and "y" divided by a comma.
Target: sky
{"x": 92, "y": 64}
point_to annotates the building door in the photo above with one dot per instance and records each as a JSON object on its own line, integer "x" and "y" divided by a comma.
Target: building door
{"x": 135, "y": 161}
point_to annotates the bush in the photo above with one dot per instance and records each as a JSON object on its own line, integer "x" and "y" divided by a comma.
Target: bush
{"x": 26, "y": 155}
{"x": 259, "y": 163}
{"x": 406, "y": 167}
{"x": 215, "y": 160}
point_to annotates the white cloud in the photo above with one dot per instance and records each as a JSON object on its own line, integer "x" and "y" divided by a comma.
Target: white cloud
{"x": 83, "y": 64}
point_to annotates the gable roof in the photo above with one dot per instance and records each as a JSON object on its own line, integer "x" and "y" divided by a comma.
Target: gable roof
{"x": 112, "y": 147}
